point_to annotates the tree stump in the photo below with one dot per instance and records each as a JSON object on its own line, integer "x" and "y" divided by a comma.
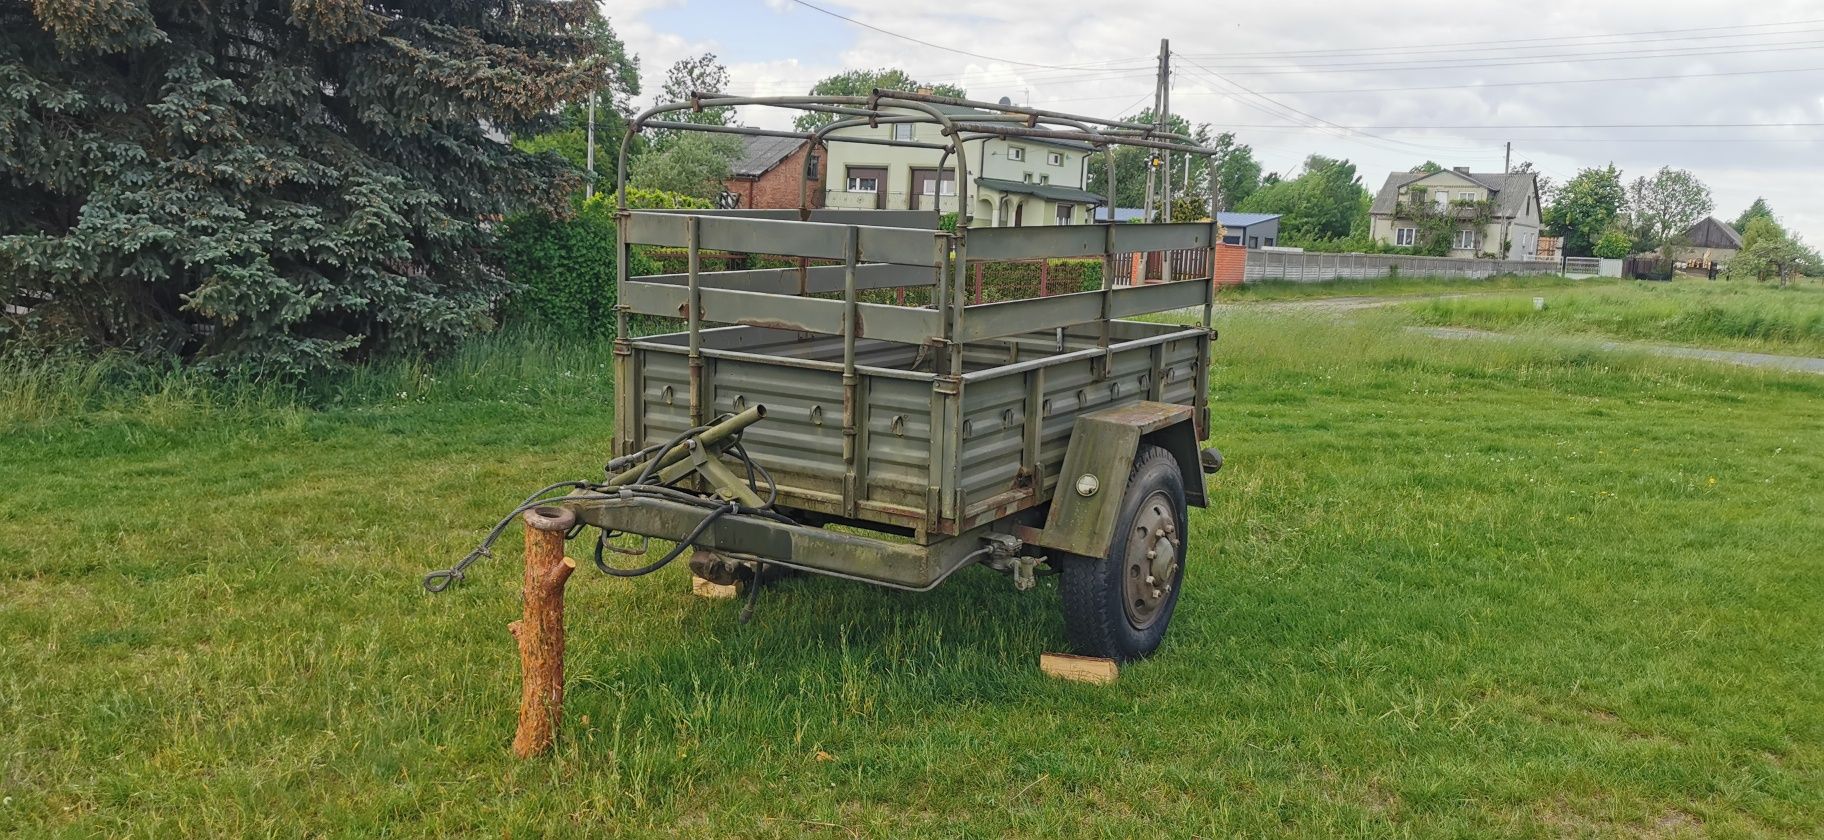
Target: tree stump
{"x": 541, "y": 631}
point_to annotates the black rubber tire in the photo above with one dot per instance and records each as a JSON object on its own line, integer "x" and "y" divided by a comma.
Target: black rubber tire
{"x": 1095, "y": 619}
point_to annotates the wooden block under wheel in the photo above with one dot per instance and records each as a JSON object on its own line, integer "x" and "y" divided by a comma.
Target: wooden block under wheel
{"x": 1089, "y": 669}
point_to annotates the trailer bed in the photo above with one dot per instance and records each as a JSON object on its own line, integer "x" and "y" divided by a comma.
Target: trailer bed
{"x": 934, "y": 453}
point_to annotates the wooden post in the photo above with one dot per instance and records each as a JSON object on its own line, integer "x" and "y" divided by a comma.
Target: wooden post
{"x": 541, "y": 632}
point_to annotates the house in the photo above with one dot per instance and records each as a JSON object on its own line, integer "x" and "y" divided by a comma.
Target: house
{"x": 1495, "y": 214}
{"x": 1017, "y": 181}
{"x": 767, "y": 174}
{"x": 1707, "y": 243}
{"x": 1254, "y": 230}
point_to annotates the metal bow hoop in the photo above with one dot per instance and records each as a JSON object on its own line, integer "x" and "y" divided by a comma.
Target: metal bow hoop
{"x": 981, "y": 121}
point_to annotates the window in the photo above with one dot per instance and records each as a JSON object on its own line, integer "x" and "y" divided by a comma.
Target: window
{"x": 1466, "y": 197}
{"x": 1443, "y": 198}
{"x": 1404, "y": 237}
{"x": 1027, "y": 177}
{"x": 1064, "y": 213}
{"x": 1270, "y": 241}
{"x": 902, "y": 131}
{"x": 1055, "y": 159}
{"x": 1253, "y": 242}
{"x": 1231, "y": 239}
{"x": 931, "y": 186}
{"x": 1466, "y": 238}
{"x": 1016, "y": 153}
{"x": 811, "y": 166}
{"x": 1044, "y": 179}
{"x": 864, "y": 183}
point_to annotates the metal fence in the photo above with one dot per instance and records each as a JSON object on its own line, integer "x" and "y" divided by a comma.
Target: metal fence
{"x": 1313, "y": 268}
{"x": 1583, "y": 265}
{"x": 1150, "y": 266}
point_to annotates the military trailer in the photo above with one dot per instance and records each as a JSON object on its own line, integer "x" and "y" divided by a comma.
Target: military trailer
{"x": 804, "y": 419}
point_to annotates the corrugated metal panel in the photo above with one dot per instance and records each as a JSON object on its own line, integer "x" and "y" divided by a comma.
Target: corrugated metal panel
{"x": 899, "y": 441}
{"x": 993, "y": 436}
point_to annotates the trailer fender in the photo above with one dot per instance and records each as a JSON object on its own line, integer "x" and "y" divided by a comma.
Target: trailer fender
{"x": 1102, "y": 448}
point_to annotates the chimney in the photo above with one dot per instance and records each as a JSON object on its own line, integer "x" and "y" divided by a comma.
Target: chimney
{"x": 926, "y": 91}
{"x": 1462, "y": 169}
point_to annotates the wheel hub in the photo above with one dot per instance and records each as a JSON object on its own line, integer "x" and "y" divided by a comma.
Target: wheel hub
{"x": 1150, "y": 566}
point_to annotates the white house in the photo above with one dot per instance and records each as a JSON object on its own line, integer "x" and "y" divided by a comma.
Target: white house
{"x": 1491, "y": 209}
{"x": 1015, "y": 181}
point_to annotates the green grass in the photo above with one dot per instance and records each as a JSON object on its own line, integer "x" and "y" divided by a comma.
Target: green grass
{"x": 1446, "y": 589}
{"x": 1738, "y": 315}
{"x": 1275, "y": 290}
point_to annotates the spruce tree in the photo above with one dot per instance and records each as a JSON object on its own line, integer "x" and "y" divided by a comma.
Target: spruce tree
{"x": 276, "y": 183}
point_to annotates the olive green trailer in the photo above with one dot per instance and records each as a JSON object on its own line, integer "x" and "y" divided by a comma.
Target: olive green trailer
{"x": 796, "y": 422}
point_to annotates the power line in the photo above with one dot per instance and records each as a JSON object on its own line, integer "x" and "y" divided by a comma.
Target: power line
{"x": 1782, "y": 46}
{"x": 1444, "y": 127}
{"x": 1529, "y": 83}
{"x": 1348, "y": 132}
{"x": 816, "y": 8}
{"x": 1534, "y": 82}
{"x": 1480, "y": 54}
{"x": 1306, "y": 129}
{"x": 1533, "y": 40}
{"x": 1011, "y": 75}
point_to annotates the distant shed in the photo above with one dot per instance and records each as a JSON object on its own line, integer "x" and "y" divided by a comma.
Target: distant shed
{"x": 1709, "y": 242}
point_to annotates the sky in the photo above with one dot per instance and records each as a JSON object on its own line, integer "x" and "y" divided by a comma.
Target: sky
{"x": 1735, "y": 94}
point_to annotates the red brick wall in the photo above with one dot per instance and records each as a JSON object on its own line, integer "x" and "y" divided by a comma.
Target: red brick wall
{"x": 1231, "y": 261}
{"x": 778, "y": 188}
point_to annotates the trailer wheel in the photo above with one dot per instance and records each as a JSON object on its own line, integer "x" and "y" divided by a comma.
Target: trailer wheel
{"x": 1118, "y": 606}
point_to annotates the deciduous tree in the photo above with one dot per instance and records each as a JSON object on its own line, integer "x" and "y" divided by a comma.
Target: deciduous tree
{"x": 693, "y": 163}
{"x": 1667, "y": 204}
{"x": 1779, "y": 257}
{"x": 697, "y": 74}
{"x": 863, "y": 83}
{"x": 1587, "y": 206}
{"x": 1325, "y": 202}
{"x": 1757, "y": 210}
{"x": 274, "y": 182}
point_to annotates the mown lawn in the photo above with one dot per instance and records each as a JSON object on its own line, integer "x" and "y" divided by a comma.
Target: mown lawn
{"x": 1445, "y": 590}
{"x": 1738, "y": 314}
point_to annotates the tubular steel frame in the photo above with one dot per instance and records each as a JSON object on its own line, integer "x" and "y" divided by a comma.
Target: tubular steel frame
{"x": 879, "y": 254}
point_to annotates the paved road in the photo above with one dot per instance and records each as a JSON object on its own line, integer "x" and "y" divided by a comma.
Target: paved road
{"x": 1802, "y": 364}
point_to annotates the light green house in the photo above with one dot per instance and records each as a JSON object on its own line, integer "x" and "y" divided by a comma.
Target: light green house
{"x": 1494, "y": 214}
{"x": 1016, "y": 181}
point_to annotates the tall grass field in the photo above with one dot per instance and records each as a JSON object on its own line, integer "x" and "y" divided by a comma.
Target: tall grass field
{"x": 1734, "y": 314}
{"x": 1443, "y": 589}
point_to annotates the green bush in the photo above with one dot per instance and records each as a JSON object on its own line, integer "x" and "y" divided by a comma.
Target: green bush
{"x": 640, "y": 198}
{"x": 563, "y": 270}
{"x": 1613, "y": 245}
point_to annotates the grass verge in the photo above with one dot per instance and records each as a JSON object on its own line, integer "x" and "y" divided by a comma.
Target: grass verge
{"x": 1273, "y": 290}
{"x": 1736, "y": 315}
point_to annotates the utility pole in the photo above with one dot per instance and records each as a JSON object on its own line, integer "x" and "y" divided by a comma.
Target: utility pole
{"x": 589, "y": 188}
{"x": 1165, "y": 109}
{"x": 1507, "y": 160}
{"x": 1158, "y": 121}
